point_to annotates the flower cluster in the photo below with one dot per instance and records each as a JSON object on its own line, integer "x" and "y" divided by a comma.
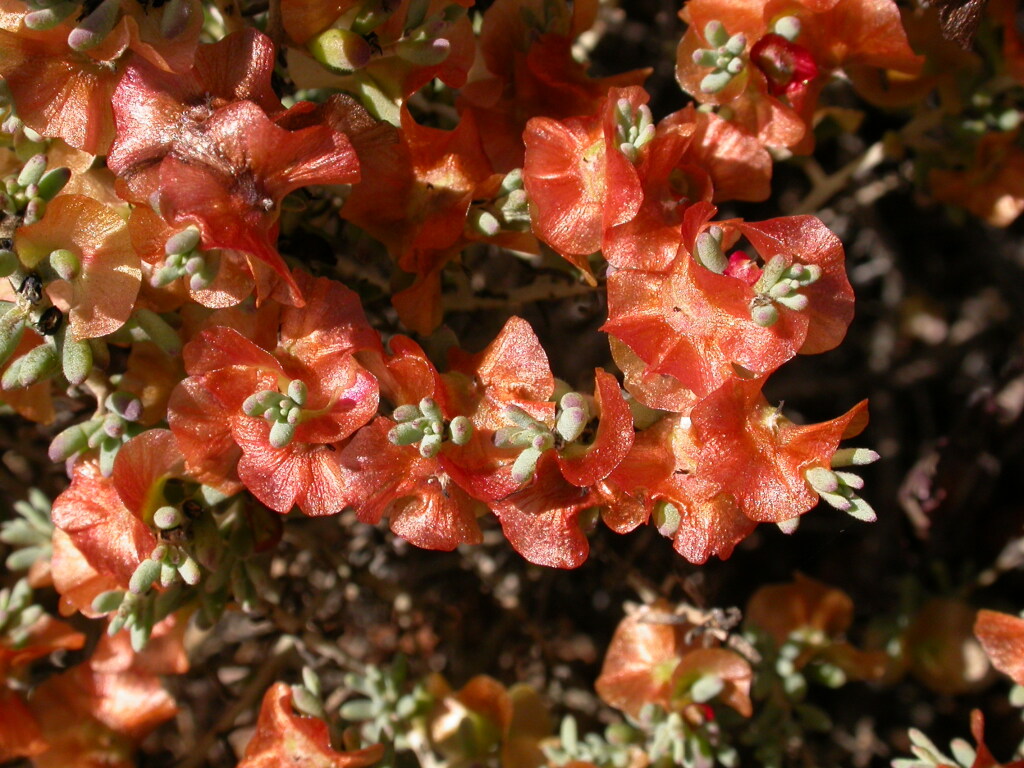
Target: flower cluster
{"x": 183, "y": 183}
{"x": 285, "y": 390}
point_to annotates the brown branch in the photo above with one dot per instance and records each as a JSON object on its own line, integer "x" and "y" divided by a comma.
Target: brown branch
{"x": 275, "y": 24}
{"x": 252, "y": 693}
{"x": 542, "y": 290}
{"x": 825, "y": 187}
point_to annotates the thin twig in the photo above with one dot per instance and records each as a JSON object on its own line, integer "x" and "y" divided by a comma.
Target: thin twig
{"x": 254, "y": 689}
{"x": 448, "y": 113}
{"x": 275, "y": 24}
{"x": 528, "y": 294}
{"x": 826, "y": 188}
{"x": 868, "y": 194}
{"x": 350, "y": 269}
